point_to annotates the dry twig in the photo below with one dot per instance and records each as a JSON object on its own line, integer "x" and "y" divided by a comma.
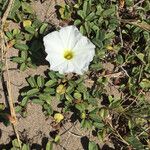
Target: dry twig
{"x": 13, "y": 119}
{"x": 144, "y": 26}
{"x": 114, "y": 75}
{"x": 3, "y": 21}
{"x": 139, "y": 2}
{"x": 120, "y": 32}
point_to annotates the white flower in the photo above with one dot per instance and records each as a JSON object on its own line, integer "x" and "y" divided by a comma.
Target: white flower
{"x": 68, "y": 50}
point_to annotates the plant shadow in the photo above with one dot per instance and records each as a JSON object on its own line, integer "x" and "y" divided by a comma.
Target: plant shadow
{"x": 36, "y": 48}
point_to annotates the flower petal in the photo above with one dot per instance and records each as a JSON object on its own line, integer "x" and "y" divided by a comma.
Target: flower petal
{"x": 85, "y": 51}
{"x": 53, "y": 42}
{"x": 84, "y": 45}
{"x": 70, "y": 35}
{"x": 55, "y": 61}
{"x": 70, "y": 67}
{"x": 69, "y": 38}
{"x": 78, "y": 69}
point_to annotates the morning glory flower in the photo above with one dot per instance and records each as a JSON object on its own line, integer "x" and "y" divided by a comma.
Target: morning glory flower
{"x": 68, "y": 50}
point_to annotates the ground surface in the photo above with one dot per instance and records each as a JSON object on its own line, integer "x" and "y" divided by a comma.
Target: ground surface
{"x": 35, "y": 128}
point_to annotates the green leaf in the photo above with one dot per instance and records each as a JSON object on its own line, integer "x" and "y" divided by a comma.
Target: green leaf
{"x": 9, "y": 35}
{"x": 135, "y": 143}
{"x": 109, "y": 35}
{"x": 99, "y": 9}
{"x": 115, "y": 104}
{"x": 26, "y": 7}
{"x": 18, "y": 59}
{"x": 77, "y": 22}
{"x": 37, "y": 101}
{"x": 69, "y": 90}
{"x": 49, "y": 145}
{"x": 85, "y": 8}
{"x": 65, "y": 12}
{"x": 141, "y": 57}
{"x": 18, "y": 109}
{"x": 24, "y": 101}
{"x": 81, "y": 106}
{"x": 51, "y": 83}
{"x": 48, "y": 109}
{"x": 57, "y": 139}
{"x": 2, "y": 106}
{"x": 32, "y": 92}
{"x": 129, "y": 3}
{"x": 72, "y": 83}
{"x": 30, "y": 64}
{"x": 77, "y": 96}
{"x": 86, "y": 124}
{"x": 89, "y": 7}
{"x": 28, "y": 36}
{"x": 82, "y": 29}
{"x": 90, "y": 17}
{"x": 81, "y": 14}
{"x": 98, "y": 43}
{"x": 52, "y": 75}
{"x": 95, "y": 117}
{"x": 109, "y": 12}
{"x": 80, "y": 80}
{"x": 43, "y": 28}
{"x": 45, "y": 97}
{"x": 25, "y": 147}
{"x": 40, "y": 81}
{"x": 19, "y": 36}
{"x": 37, "y": 23}
{"x": 94, "y": 27}
{"x": 15, "y": 7}
{"x": 16, "y": 32}
{"x": 23, "y": 67}
{"x": 120, "y": 59}
{"x": 98, "y": 125}
{"x": 130, "y": 124}
{"x": 81, "y": 88}
{"x": 22, "y": 47}
{"x": 145, "y": 84}
{"x": 60, "y": 75}
{"x": 50, "y": 90}
{"x": 30, "y": 29}
{"x": 18, "y": 16}
{"x": 86, "y": 96}
{"x": 92, "y": 146}
{"x": 104, "y": 113}
{"x": 32, "y": 82}
{"x": 69, "y": 97}
{"x": 87, "y": 27}
{"x": 15, "y": 143}
{"x": 92, "y": 101}
{"x": 24, "y": 55}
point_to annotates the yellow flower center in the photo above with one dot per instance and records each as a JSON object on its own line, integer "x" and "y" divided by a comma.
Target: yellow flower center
{"x": 68, "y": 54}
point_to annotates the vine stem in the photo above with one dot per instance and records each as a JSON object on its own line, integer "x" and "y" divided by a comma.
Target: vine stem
{"x": 118, "y": 135}
{"x": 11, "y": 100}
{"x": 3, "y": 42}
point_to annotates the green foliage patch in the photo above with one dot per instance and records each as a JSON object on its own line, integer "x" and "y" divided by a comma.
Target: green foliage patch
{"x": 122, "y": 38}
